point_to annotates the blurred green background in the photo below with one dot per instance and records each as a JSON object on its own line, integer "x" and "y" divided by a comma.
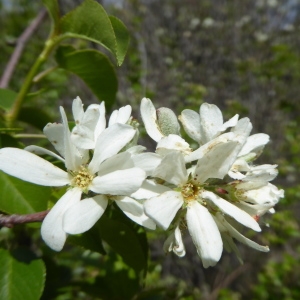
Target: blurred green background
{"x": 243, "y": 56}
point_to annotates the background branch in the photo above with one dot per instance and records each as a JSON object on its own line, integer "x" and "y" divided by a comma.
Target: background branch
{"x": 10, "y": 221}
{"x": 21, "y": 42}
{"x": 228, "y": 280}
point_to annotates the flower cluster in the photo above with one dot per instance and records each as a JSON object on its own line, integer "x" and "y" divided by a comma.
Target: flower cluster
{"x": 208, "y": 189}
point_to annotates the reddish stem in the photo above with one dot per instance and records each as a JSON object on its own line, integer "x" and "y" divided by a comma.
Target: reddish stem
{"x": 21, "y": 42}
{"x": 10, "y": 221}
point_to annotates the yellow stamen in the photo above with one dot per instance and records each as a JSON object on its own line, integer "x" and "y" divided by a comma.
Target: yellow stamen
{"x": 82, "y": 178}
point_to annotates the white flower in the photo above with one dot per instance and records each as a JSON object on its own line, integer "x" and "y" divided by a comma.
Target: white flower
{"x": 236, "y": 138}
{"x": 206, "y": 125}
{"x": 189, "y": 192}
{"x": 108, "y": 173}
{"x": 249, "y": 152}
{"x": 257, "y": 197}
{"x": 89, "y": 124}
{"x": 158, "y": 123}
{"x": 162, "y": 126}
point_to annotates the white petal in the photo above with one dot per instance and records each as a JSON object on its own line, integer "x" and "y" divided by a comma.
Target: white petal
{"x": 113, "y": 118}
{"x": 239, "y": 166}
{"x": 200, "y": 152}
{"x": 120, "y": 116}
{"x": 82, "y": 137}
{"x": 77, "y": 109}
{"x": 136, "y": 149}
{"x": 163, "y": 208}
{"x": 135, "y": 211}
{"x": 32, "y": 168}
{"x": 265, "y": 195}
{"x": 179, "y": 249}
{"x": 242, "y": 130}
{"x": 173, "y": 142}
{"x": 55, "y": 134}
{"x": 120, "y": 161}
{"x": 83, "y": 215}
{"x": 52, "y": 227}
{"x": 91, "y": 116}
{"x": 238, "y": 236}
{"x": 261, "y": 173}
{"x": 149, "y": 189}
{"x": 205, "y": 234}
{"x": 211, "y": 120}
{"x": 230, "y": 123}
{"x": 231, "y": 210}
{"x": 172, "y": 169}
{"x": 149, "y": 118}
{"x": 101, "y": 122}
{"x": 235, "y": 174}
{"x": 190, "y": 121}
{"x": 42, "y": 151}
{"x": 250, "y": 185}
{"x": 147, "y": 162}
{"x": 174, "y": 243}
{"x": 109, "y": 143}
{"x": 228, "y": 243}
{"x": 72, "y": 160}
{"x": 74, "y": 157}
{"x": 121, "y": 182}
{"x": 83, "y": 134}
{"x": 216, "y": 161}
{"x": 254, "y": 142}
{"x": 255, "y": 210}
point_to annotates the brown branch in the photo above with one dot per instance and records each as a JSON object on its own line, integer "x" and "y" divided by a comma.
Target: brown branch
{"x": 228, "y": 280}
{"x": 21, "y": 42}
{"x": 10, "y": 221}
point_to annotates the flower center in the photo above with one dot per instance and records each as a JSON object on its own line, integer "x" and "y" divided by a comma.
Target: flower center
{"x": 190, "y": 192}
{"x": 82, "y": 178}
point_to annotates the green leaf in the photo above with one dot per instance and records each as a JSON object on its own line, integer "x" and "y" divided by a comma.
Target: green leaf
{"x": 123, "y": 239}
{"x": 35, "y": 117}
{"x": 90, "y": 21}
{"x": 7, "y": 140}
{"x": 122, "y": 38}
{"x": 94, "y": 68}
{"x": 116, "y": 284}
{"x": 7, "y": 98}
{"x": 59, "y": 276}
{"x": 22, "y": 275}
{"x": 90, "y": 240}
{"x": 53, "y": 9}
{"x": 20, "y": 197}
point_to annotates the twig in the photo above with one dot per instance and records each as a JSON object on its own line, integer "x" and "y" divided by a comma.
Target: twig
{"x": 21, "y": 42}
{"x": 29, "y": 135}
{"x": 10, "y": 221}
{"x": 228, "y": 280}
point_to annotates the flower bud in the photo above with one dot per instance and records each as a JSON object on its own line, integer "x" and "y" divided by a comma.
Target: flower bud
{"x": 167, "y": 121}
{"x": 260, "y": 198}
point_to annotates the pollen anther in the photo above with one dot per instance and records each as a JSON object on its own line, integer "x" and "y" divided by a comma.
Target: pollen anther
{"x": 190, "y": 191}
{"x": 82, "y": 178}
